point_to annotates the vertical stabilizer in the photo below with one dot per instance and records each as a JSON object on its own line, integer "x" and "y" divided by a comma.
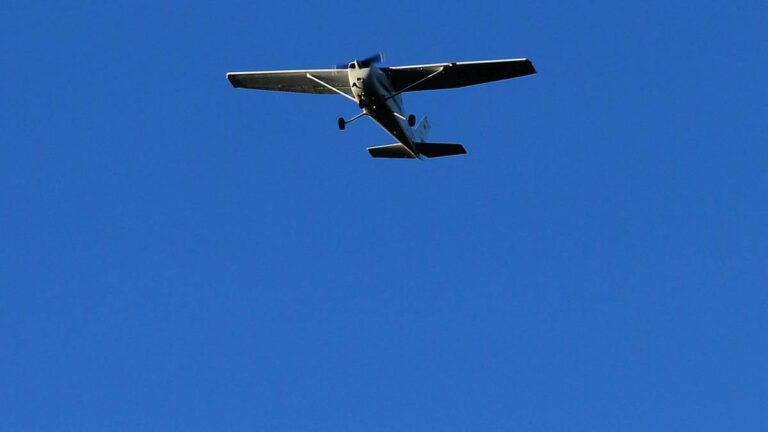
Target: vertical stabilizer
{"x": 421, "y": 131}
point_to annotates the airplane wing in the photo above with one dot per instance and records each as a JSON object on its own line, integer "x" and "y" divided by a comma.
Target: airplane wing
{"x": 293, "y": 80}
{"x": 455, "y": 75}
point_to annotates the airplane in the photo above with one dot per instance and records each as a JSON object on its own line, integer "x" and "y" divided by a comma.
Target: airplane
{"x": 377, "y": 92}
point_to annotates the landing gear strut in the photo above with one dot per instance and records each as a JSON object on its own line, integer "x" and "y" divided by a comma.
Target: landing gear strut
{"x": 343, "y": 123}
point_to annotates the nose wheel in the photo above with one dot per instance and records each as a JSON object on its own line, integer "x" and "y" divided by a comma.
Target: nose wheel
{"x": 342, "y": 123}
{"x": 411, "y": 120}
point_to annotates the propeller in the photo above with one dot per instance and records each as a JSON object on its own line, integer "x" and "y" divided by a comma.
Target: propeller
{"x": 371, "y": 60}
{"x": 366, "y": 62}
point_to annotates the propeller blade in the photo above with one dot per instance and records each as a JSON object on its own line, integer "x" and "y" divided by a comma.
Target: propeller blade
{"x": 366, "y": 62}
{"x": 371, "y": 60}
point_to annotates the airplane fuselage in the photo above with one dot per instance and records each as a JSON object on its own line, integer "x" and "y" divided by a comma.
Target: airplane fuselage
{"x": 373, "y": 92}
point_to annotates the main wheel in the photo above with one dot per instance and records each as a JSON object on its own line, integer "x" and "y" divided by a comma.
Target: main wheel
{"x": 342, "y": 123}
{"x": 411, "y": 120}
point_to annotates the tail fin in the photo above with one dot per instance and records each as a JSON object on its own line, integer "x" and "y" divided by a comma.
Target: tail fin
{"x": 421, "y": 131}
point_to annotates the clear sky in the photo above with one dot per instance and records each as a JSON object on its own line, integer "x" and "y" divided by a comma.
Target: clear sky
{"x": 176, "y": 254}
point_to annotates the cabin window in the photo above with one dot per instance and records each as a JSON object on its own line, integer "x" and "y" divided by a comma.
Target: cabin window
{"x": 352, "y": 65}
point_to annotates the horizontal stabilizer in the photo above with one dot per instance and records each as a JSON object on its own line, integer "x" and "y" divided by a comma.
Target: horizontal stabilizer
{"x": 393, "y": 151}
{"x": 431, "y": 150}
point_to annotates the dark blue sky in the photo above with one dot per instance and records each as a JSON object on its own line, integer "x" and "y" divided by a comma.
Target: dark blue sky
{"x": 176, "y": 254}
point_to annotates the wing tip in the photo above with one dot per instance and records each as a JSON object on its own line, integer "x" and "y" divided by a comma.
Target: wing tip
{"x": 232, "y": 80}
{"x": 532, "y": 70}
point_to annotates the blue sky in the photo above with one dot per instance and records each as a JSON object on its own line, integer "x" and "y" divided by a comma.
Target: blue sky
{"x": 180, "y": 255}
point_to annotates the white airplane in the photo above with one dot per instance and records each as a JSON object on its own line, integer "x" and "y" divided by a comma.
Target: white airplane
{"x": 377, "y": 91}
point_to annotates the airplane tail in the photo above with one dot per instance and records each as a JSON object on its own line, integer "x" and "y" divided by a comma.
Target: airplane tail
{"x": 422, "y": 148}
{"x": 421, "y": 131}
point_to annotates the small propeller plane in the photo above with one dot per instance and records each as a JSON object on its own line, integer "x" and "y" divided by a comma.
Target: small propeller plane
{"x": 377, "y": 91}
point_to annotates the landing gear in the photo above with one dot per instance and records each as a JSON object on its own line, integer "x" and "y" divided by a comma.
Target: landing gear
{"x": 343, "y": 123}
{"x": 411, "y": 120}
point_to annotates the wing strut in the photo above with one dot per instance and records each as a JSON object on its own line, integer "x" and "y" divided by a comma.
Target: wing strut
{"x": 415, "y": 83}
{"x": 332, "y": 88}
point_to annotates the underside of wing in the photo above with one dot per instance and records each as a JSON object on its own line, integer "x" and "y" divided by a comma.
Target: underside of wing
{"x": 453, "y": 75}
{"x": 298, "y": 81}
